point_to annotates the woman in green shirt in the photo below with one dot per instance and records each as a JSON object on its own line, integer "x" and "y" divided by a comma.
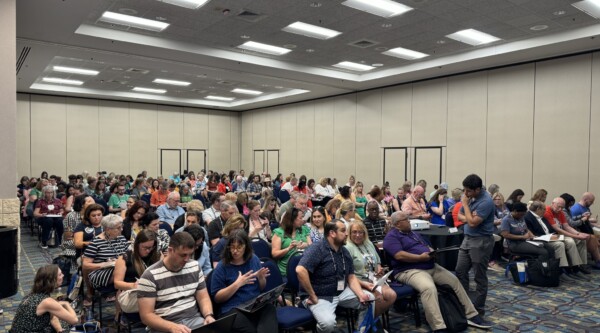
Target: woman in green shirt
{"x": 361, "y": 200}
{"x": 291, "y": 237}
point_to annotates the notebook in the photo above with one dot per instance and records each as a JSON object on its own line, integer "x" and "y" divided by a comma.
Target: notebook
{"x": 262, "y": 299}
{"x": 218, "y": 326}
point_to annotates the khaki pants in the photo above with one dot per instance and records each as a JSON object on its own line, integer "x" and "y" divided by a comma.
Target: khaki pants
{"x": 424, "y": 282}
{"x": 576, "y": 251}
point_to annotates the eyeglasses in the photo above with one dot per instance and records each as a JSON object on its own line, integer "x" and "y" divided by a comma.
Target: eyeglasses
{"x": 237, "y": 248}
{"x": 147, "y": 248}
{"x": 358, "y": 232}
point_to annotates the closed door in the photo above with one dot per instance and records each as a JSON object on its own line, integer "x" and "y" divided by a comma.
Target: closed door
{"x": 259, "y": 161}
{"x": 272, "y": 162}
{"x": 196, "y": 160}
{"x": 170, "y": 162}
{"x": 428, "y": 166}
{"x": 395, "y": 164}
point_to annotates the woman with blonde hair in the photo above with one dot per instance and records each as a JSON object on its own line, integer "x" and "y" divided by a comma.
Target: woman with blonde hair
{"x": 347, "y": 213}
{"x": 361, "y": 199}
{"x": 367, "y": 266}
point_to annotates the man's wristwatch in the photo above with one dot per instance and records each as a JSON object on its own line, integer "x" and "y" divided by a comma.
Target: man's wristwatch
{"x": 209, "y": 315}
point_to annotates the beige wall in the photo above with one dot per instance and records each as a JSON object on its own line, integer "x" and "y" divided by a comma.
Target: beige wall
{"x": 64, "y": 135}
{"x": 529, "y": 126}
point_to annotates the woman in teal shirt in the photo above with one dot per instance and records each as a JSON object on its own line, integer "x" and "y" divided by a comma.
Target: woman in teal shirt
{"x": 291, "y": 237}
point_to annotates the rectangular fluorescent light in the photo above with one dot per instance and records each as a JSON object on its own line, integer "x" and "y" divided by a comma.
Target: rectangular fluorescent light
{"x": 310, "y": 30}
{"x": 383, "y": 8}
{"x": 246, "y": 91}
{"x": 403, "y": 53}
{"x": 133, "y": 21}
{"x": 220, "y": 98}
{"x": 149, "y": 90}
{"x": 590, "y": 7}
{"x": 191, "y": 4}
{"x": 73, "y": 70}
{"x": 264, "y": 48}
{"x": 353, "y": 66}
{"x": 472, "y": 37}
{"x": 172, "y": 82}
{"x": 62, "y": 81}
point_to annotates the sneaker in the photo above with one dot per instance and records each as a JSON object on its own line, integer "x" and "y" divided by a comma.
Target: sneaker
{"x": 583, "y": 269}
{"x": 566, "y": 278}
{"x": 495, "y": 267}
{"x": 478, "y": 322}
{"x": 44, "y": 246}
{"x": 579, "y": 276}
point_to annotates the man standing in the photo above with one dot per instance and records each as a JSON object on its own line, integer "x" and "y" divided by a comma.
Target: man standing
{"x": 374, "y": 223}
{"x": 118, "y": 201}
{"x": 186, "y": 305}
{"x": 414, "y": 264}
{"x": 477, "y": 213}
{"x": 170, "y": 211}
{"x": 326, "y": 275}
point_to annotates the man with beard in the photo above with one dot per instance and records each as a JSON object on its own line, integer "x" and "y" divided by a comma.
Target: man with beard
{"x": 326, "y": 275}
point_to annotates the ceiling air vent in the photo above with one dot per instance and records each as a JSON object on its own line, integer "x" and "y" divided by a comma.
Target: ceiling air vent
{"x": 363, "y": 43}
{"x": 22, "y": 57}
{"x": 137, "y": 70}
{"x": 250, "y": 16}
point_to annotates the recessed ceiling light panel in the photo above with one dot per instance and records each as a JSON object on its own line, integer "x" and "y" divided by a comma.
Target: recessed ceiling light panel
{"x": 220, "y": 98}
{"x": 62, "y": 81}
{"x": 473, "y": 37}
{"x": 590, "y": 7}
{"x": 172, "y": 82}
{"x": 264, "y": 48}
{"x": 149, "y": 90}
{"x": 74, "y": 70}
{"x": 246, "y": 91}
{"x": 133, "y": 21}
{"x": 191, "y": 4}
{"x": 383, "y": 8}
{"x": 400, "y": 52}
{"x": 353, "y": 66}
{"x": 310, "y": 30}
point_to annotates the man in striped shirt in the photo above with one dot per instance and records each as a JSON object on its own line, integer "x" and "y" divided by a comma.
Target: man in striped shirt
{"x": 170, "y": 291}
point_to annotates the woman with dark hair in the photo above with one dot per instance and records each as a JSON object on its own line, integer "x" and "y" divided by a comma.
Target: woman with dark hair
{"x": 514, "y": 230}
{"x": 278, "y": 180}
{"x": 224, "y": 185}
{"x": 72, "y": 220}
{"x": 131, "y": 265}
{"x": 515, "y": 196}
{"x": 213, "y": 182}
{"x": 138, "y": 187}
{"x": 151, "y": 222}
{"x": 242, "y": 203}
{"x": 239, "y": 278}
{"x": 202, "y": 251}
{"x": 302, "y": 188}
{"x": 318, "y": 218}
{"x": 438, "y": 206}
{"x": 154, "y": 186}
{"x": 290, "y": 237}
{"x": 258, "y": 227}
{"x": 89, "y": 227}
{"x": 39, "y": 312}
{"x": 271, "y": 205}
{"x": 132, "y": 224}
{"x": 377, "y": 195}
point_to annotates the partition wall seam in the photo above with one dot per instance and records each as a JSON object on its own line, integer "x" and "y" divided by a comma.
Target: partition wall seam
{"x": 447, "y": 118}
{"x": 535, "y": 64}
{"x": 487, "y": 124}
{"x": 590, "y": 121}
{"x": 355, "y": 119}
{"x": 30, "y": 139}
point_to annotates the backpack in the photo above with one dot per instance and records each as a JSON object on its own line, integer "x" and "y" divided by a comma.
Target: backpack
{"x": 452, "y": 310}
{"x": 544, "y": 273}
{"x": 64, "y": 263}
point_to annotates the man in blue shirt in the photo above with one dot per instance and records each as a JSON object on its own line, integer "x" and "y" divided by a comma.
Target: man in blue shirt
{"x": 477, "y": 213}
{"x": 326, "y": 275}
{"x": 170, "y": 211}
{"x": 581, "y": 210}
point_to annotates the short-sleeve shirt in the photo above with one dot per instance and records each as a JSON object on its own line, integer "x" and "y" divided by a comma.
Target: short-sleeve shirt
{"x": 101, "y": 250}
{"x": 89, "y": 232}
{"x": 174, "y": 292}
{"x": 364, "y": 258}
{"x": 45, "y": 206}
{"x": 326, "y": 267}
{"x": 225, "y": 275}
{"x": 553, "y": 217}
{"x": 514, "y": 227}
{"x": 411, "y": 242}
{"x": 214, "y": 228}
{"x": 301, "y": 235}
{"x": 375, "y": 228}
{"x": 484, "y": 207}
{"x": 578, "y": 209}
{"x": 117, "y": 201}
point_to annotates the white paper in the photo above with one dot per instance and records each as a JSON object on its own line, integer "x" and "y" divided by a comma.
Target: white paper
{"x": 534, "y": 243}
{"x": 452, "y": 230}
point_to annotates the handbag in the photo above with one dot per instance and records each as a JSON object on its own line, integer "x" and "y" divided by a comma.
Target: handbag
{"x": 544, "y": 273}
{"x": 128, "y": 301}
{"x": 64, "y": 263}
{"x": 518, "y": 271}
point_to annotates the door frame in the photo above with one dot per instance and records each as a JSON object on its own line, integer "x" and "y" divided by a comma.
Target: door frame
{"x": 405, "y": 161}
{"x": 267, "y": 158}
{"x": 187, "y": 158}
{"x": 161, "y": 158}
{"x": 415, "y": 161}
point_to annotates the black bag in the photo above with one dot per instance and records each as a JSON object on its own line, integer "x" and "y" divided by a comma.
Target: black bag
{"x": 64, "y": 263}
{"x": 452, "y": 310}
{"x": 543, "y": 273}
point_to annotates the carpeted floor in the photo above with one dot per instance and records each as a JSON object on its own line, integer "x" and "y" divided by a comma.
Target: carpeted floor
{"x": 568, "y": 308}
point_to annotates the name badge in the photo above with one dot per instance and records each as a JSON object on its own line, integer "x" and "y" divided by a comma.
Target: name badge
{"x": 50, "y": 207}
{"x": 452, "y": 230}
{"x": 340, "y": 285}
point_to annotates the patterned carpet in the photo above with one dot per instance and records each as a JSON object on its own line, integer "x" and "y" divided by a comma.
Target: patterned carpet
{"x": 568, "y": 308}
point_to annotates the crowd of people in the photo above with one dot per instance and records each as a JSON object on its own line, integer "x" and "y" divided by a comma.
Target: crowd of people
{"x": 145, "y": 236}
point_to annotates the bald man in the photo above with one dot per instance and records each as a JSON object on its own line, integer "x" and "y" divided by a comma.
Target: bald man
{"x": 414, "y": 205}
{"x": 556, "y": 217}
{"x": 582, "y": 209}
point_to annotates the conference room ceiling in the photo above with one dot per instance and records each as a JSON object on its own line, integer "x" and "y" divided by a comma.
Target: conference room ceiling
{"x": 200, "y": 47}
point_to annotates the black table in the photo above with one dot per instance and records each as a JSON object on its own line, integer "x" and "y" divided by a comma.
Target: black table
{"x": 439, "y": 237}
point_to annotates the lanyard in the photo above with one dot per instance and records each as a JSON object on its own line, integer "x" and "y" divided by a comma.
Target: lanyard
{"x": 335, "y": 266}
{"x": 369, "y": 259}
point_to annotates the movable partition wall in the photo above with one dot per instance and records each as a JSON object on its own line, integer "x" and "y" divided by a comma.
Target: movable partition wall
{"x": 413, "y": 163}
